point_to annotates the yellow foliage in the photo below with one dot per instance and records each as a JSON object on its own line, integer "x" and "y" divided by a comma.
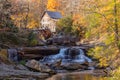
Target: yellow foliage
{"x": 98, "y": 52}
{"x": 109, "y": 39}
{"x": 116, "y": 74}
{"x": 3, "y": 53}
{"x": 107, "y": 55}
{"x": 103, "y": 61}
{"x": 52, "y": 5}
{"x": 4, "y": 56}
{"x": 21, "y": 18}
{"x": 32, "y": 24}
{"x": 78, "y": 19}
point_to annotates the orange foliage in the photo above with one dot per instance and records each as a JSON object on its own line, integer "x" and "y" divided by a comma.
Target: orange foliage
{"x": 52, "y": 5}
{"x": 78, "y": 19}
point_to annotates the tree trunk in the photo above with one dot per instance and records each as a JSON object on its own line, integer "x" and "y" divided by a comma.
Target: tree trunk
{"x": 116, "y": 25}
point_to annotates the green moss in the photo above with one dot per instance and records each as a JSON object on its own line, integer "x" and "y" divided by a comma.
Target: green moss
{"x": 23, "y": 62}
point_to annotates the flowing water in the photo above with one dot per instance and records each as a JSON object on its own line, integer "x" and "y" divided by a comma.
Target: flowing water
{"x": 13, "y": 55}
{"x": 69, "y": 55}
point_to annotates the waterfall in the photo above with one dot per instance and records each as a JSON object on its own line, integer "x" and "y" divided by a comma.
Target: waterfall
{"x": 81, "y": 57}
{"x": 13, "y": 55}
{"x": 52, "y": 58}
{"x": 69, "y": 55}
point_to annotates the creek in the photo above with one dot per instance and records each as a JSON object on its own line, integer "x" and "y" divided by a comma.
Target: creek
{"x": 71, "y": 63}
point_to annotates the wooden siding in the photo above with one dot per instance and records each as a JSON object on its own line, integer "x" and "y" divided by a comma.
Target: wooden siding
{"x": 48, "y": 22}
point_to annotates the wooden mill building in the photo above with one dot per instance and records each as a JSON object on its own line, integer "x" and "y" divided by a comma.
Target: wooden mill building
{"x": 49, "y": 20}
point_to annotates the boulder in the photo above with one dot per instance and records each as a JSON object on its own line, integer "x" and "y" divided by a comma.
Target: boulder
{"x": 62, "y": 40}
{"x": 35, "y": 65}
{"x": 6, "y": 67}
{"x": 21, "y": 67}
{"x": 56, "y": 64}
{"x": 72, "y": 52}
{"x": 15, "y": 72}
{"x": 101, "y": 72}
{"x": 73, "y": 66}
{"x": 86, "y": 63}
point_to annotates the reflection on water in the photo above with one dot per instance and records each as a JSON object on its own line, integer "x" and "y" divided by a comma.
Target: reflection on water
{"x": 75, "y": 76}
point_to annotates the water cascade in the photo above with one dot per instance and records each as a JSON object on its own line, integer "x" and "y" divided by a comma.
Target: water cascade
{"x": 13, "y": 55}
{"x": 69, "y": 55}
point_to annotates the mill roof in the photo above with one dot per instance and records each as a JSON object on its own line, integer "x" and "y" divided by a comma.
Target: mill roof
{"x": 54, "y": 15}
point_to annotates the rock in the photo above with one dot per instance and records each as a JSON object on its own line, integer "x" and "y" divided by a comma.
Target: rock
{"x": 56, "y": 64}
{"x": 22, "y": 74}
{"x": 73, "y": 66}
{"x": 86, "y": 63}
{"x": 97, "y": 66}
{"x": 35, "y": 65}
{"x": 61, "y": 71}
{"x": 41, "y": 43}
{"x": 10, "y": 72}
{"x": 57, "y": 40}
{"x": 100, "y": 72}
{"x": 6, "y": 67}
{"x": 62, "y": 40}
{"x": 49, "y": 41}
{"x": 89, "y": 65}
{"x": 92, "y": 64}
{"x": 72, "y": 52}
{"x": 38, "y": 52}
{"x": 21, "y": 67}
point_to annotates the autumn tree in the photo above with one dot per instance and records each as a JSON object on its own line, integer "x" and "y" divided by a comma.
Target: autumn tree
{"x": 73, "y": 24}
{"x": 79, "y": 25}
{"x": 103, "y": 27}
{"x": 65, "y": 24}
{"x": 8, "y": 29}
{"x": 53, "y": 5}
{"x": 5, "y": 12}
{"x": 27, "y": 13}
